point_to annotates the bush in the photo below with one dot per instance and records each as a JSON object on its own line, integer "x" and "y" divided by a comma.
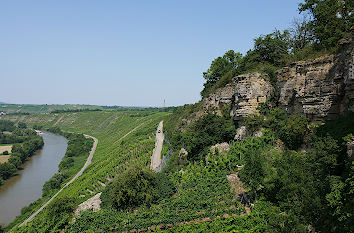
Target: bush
{"x": 253, "y": 122}
{"x": 5, "y": 152}
{"x": 16, "y": 161}
{"x": 53, "y": 183}
{"x": 293, "y": 132}
{"x": 134, "y": 187}
{"x": 207, "y": 131}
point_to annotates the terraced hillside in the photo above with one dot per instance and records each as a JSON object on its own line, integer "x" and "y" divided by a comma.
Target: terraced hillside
{"x": 123, "y": 137}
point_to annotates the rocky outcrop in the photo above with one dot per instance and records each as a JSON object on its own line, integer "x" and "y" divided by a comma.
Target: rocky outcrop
{"x": 221, "y": 147}
{"x": 220, "y": 100}
{"x": 241, "y": 97}
{"x": 319, "y": 88}
{"x": 250, "y": 91}
{"x": 93, "y": 203}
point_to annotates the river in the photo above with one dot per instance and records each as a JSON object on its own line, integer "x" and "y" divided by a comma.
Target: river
{"x": 21, "y": 190}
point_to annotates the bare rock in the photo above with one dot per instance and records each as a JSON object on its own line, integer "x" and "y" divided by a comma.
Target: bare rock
{"x": 250, "y": 91}
{"x": 320, "y": 88}
{"x": 222, "y": 148}
{"x": 241, "y": 133}
{"x": 217, "y": 101}
{"x": 92, "y": 203}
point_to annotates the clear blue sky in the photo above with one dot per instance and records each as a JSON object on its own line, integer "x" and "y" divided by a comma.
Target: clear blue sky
{"x": 131, "y": 53}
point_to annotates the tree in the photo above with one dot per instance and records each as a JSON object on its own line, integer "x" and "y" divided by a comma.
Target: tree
{"x": 272, "y": 47}
{"x": 254, "y": 170}
{"x": 134, "y": 187}
{"x": 332, "y": 19}
{"x": 301, "y": 33}
{"x": 6, "y": 170}
{"x": 15, "y": 160}
{"x": 293, "y": 132}
{"x": 221, "y": 65}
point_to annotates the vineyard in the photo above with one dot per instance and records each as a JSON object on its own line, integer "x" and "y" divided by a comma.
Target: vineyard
{"x": 125, "y": 137}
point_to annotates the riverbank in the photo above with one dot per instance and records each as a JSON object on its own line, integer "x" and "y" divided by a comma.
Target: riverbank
{"x": 26, "y": 186}
{"x": 77, "y": 156}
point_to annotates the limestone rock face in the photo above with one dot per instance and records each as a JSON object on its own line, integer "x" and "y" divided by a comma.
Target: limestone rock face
{"x": 319, "y": 88}
{"x": 250, "y": 91}
{"x": 219, "y": 100}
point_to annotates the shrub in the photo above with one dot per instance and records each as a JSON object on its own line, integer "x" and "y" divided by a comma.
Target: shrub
{"x": 5, "y": 152}
{"x": 53, "y": 183}
{"x": 207, "y": 131}
{"x": 135, "y": 186}
{"x": 16, "y": 161}
{"x": 293, "y": 132}
{"x": 253, "y": 122}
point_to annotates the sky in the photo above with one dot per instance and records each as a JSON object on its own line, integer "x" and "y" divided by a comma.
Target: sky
{"x": 126, "y": 53}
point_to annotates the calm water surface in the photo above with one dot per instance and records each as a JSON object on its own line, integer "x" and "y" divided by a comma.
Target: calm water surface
{"x": 19, "y": 191}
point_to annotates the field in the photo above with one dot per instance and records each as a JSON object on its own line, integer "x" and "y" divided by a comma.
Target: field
{"x": 4, "y": 158}
{"x": 45, "y": 108}
{"x": 5, "y": 148}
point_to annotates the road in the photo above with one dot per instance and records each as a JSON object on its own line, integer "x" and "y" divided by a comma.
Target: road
{"x": 156, "y": 155}
{"x": 88, "y": 162}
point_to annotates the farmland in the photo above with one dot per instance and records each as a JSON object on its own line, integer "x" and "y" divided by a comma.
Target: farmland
{"x": 42, "y": 108}
{"x": 113, "y": 153}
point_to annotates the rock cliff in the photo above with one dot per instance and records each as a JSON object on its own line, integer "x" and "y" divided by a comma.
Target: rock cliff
{"x": 319, "y": 88}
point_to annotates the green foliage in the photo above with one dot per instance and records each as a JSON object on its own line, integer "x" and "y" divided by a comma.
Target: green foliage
{"x": 60, "y": 206}
{"x": 221, "y": 65}
{"x": 6, "y": 125}
{"x": 272, "y": 47}
{"x": 21, "y": 125}
{"x": 254, "y": 170}
{"x": 265, "y": 217}
{"x": 208, "y": 130}
{"x": 134, "y": 187}
{"x": 5, "y": 152}
{"x": 332, "y": 20}
{"x": 253, "y": 122}
{"x": 53, "y": 183}
{"x": 294, "y": 130}
{"x": 221, "y": 72}
{"x": 6, "y": 170}
{"x": 15, "y": 160}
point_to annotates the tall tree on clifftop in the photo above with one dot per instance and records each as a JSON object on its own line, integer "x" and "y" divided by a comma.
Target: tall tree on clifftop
{"x": 332, "y": 19}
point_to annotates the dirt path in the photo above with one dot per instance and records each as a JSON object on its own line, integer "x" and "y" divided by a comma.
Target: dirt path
{"x": 156, "y": 155}
{"x": 88, "y": 162}
{"x": 60, "y": 118}
{"x": 129, "y": 133}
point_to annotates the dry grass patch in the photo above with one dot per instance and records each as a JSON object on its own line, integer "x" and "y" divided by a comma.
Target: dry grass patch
{"x": 4, "y": 158}
{"x": 5, "y": 148}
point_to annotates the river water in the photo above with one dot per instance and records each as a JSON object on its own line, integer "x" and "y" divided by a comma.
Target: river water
{"x": 20, "y": 190}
